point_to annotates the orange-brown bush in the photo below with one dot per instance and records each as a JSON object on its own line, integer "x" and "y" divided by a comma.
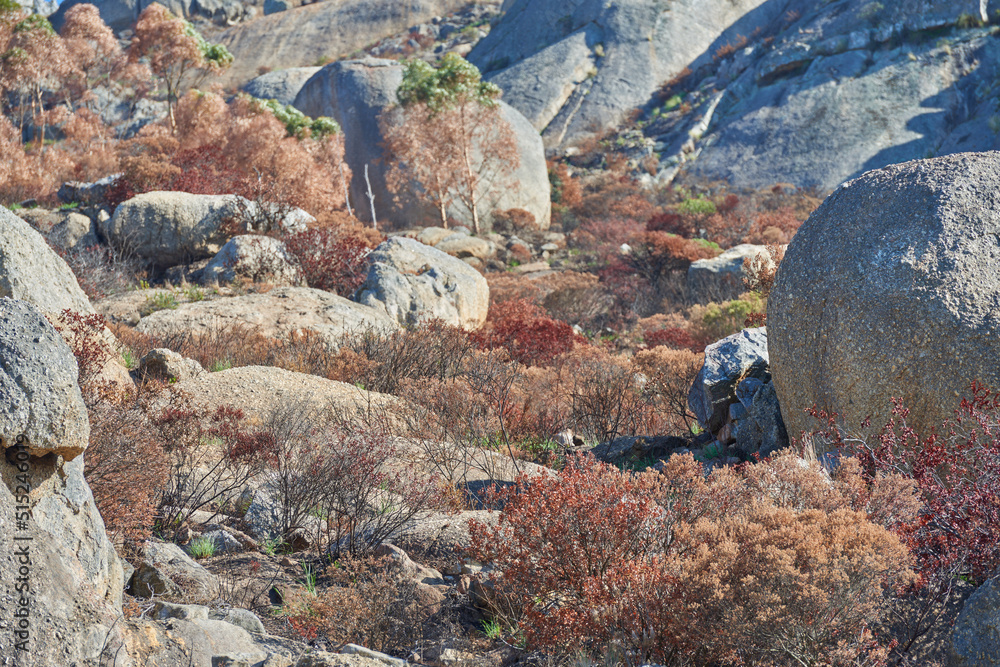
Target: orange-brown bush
{"x": 513, "y": 220}
{"x": 235, "y": 148}
{"x": 772, "y": 564}
{"x": 669, "y": 375}
{"x": 357, "y": 602}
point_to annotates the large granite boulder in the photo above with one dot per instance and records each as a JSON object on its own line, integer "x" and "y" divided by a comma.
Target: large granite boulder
{"x": 891, "y": 289}
{"x": 171, "y": 228}
{"x": 282, "y": 85}
{"x": 165, "y": 570}
{"x": 57, "y": 545}
{"x": 32, "y": 272}
{"x": 412, "y": 282}
{"x": 276, "y": 314}
{"x": 254, "y": 257}
{"x": 570, "y": 66}
{"x": 356, "y": 93}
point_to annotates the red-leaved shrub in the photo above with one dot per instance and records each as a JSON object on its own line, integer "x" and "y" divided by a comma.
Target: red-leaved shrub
{"x": 528, "y": 335}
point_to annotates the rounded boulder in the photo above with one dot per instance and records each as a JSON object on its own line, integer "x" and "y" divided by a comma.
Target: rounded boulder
{"x": 891, "y": 289}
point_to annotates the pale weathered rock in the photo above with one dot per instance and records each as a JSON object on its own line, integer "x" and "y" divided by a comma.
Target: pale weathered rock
{"x": 169, "y": 365}
{"x": 74, "y": 575}
{"x": 463, "y": 245}
{"x": 891, "y": 289}
{"x": 276, "y": 314}
{"x": 38, "y": 383}
{"x": 570, "y": 67}
{"x": 171, "y": 228}
{"x": 760, "y": 428}
{"x": 258, "y": 258}
{"x": 727, "y": 362}
{"x": 73, "y": 232}
{"x": 241, "y": 618}
{"x": 975, "y": 638}
{"x": 32, "y": 272}
{"x": 721, "y": 278}
{"x": 282, "y": 85}
{"x": 88, "y": 194}
{"x": 412, "y": 283}
{"x": 305, "y": 35}
{"x": 165, "y": 570}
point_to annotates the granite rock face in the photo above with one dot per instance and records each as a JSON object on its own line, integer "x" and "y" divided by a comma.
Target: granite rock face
{"x": 73, "y": 575}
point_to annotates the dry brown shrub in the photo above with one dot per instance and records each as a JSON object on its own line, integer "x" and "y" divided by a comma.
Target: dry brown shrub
{"x": 577, "y": 298}
{"x": 125, "y": 465}
{"x": 670, "y": 374}
{"x": 358, "y": 602}
{"x": 506, "y": 287}
{"x": 768, "y": 564}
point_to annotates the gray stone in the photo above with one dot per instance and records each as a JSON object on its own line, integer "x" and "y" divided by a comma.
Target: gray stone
{"x": 891, "y": 289}
{"x": 354, "y": 649}
{"x": 262, "y": 259}
{"x": 74, "y": 575}
{"x": 38, "y": 383}
{"x": 307, "y": 34}
{"x": 32, "y": 272}
{"x": 721, "y": 278}
{"x": 761, "y": 429}
{"x": 283, "y": 84}
{"x": 412, "y": 282}
{"x": 163, "y": 610}
{"x": 87, "y": 194}
{"x": 169, "y": 365}
{"x": 74, "y": 231}
{"x": 273, "y": 7}
{"x": 727, "y": 362}
{"x": 241, "y": 618}
{"x": 975, "y": 638}
{"x": 570, "y": 67}
{"x": 223, "y": 541}
{"x": 171, "y": 228}
{"x": 276, "y": 314}
{"x": 165, "y": 570}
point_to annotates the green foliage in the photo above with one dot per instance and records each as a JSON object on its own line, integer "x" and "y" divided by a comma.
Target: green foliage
{"x": 9, "y": 7}
{"x": 297, "y": 123}
{"x": 214, "y": 54}
{"x": 70, "y": 206}
{"x": 453, "y": 83}
{"x": 202, "y": 548}
{"x": 159, "y": 301}
{"x": 673, "y": 102}
{"x": 696, "y": 206}
{"x": 194, "y": 293}
{"x": 967, "y": 21}
{"x": 35, "y": 22}
{"x": 221, "y": 365}
{"x": 309, "y": 578}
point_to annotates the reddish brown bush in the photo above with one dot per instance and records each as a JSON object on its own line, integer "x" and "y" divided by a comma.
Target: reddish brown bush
{"x": 673, "y": 337}
{"x": 331, "y": 259}
{"x": 956, "y": 471}
{"x": 676, "y": 568}
{"x": 513, "y": 220}
{"x": 525, "y": 332}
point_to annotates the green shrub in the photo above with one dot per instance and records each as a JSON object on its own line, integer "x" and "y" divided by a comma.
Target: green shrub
{"x": 202, "y": 547}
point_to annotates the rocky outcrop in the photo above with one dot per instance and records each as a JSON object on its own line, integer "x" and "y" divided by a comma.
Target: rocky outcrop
{"x": 357, "y": 92}
{"x": 171, "y": 228}
{"x": 303, "y": 36}
{"x": 32, "y": 272}
{"x": 165, "y": 570}
{"x": 570, "y": 67}
{"x": 168, "y": 366}
{"x": 827, "y": 92}
{"x": 261, "y": 259}
{"x": 727, "y": 362}
{"x": 411, "y": 283}
{"x": 721, "y": 278}
{"x": 57, "y": 546}
{"x": 276, "y": 314}
{"x": 282, "y": 85}
{"x": 890, "y": 289}
{"x": 120, "y": 15}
